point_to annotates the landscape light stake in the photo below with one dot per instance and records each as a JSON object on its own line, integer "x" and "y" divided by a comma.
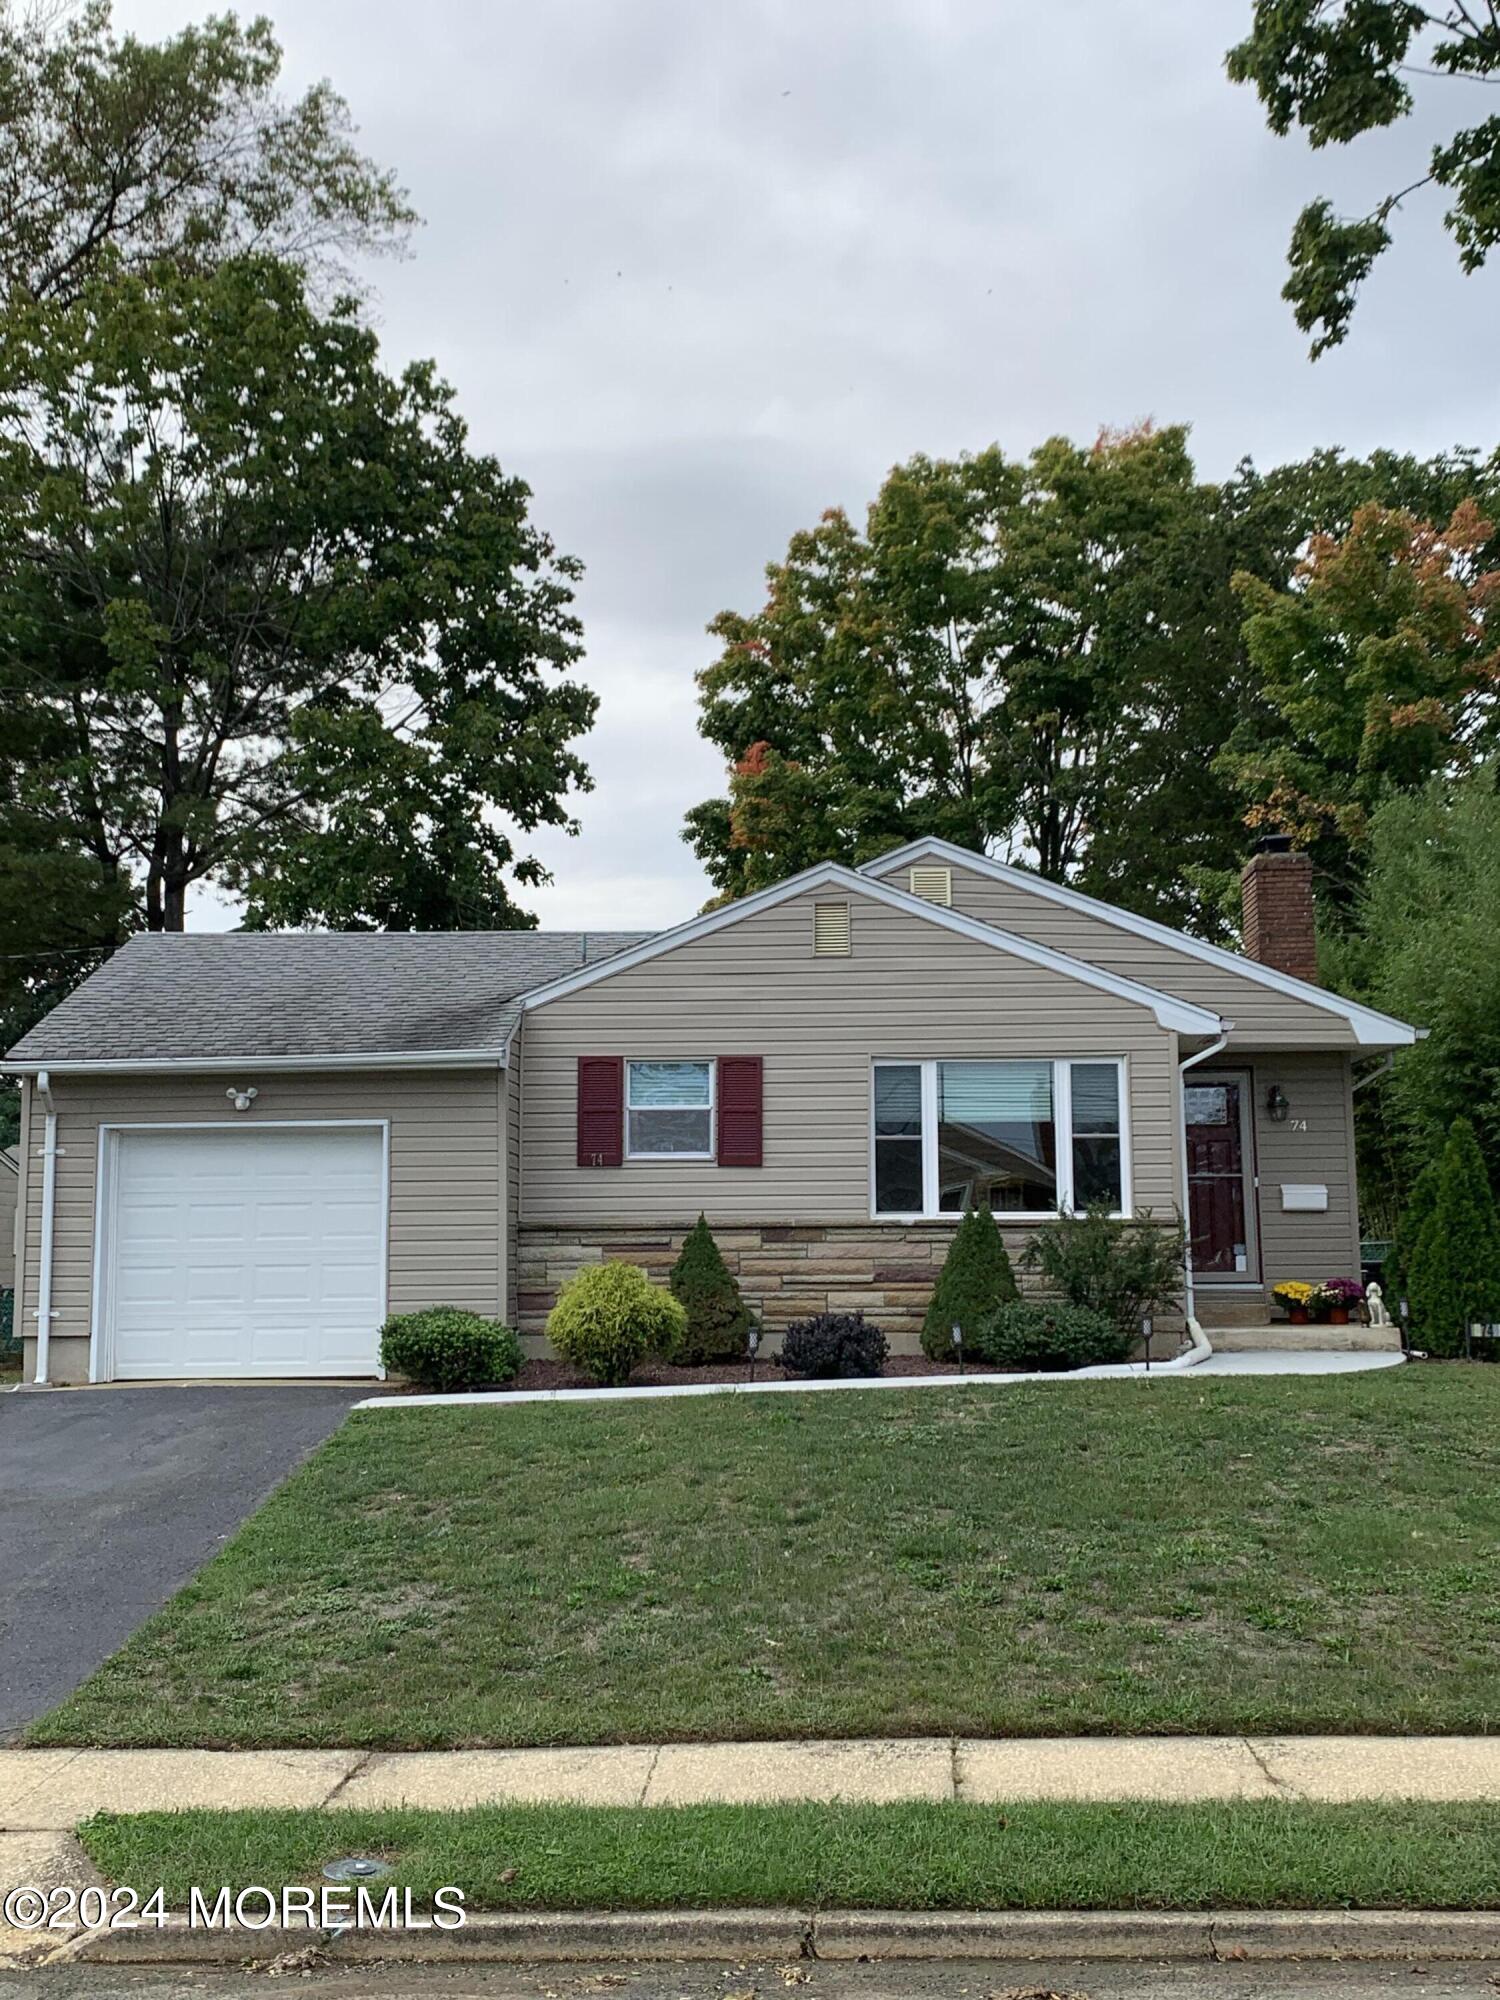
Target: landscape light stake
{"x": 1403, "y": 1313}
{"x": 1146, "y": 1337}
{"x": 752, "y": 1340}
{"x": 957, "y": 1337}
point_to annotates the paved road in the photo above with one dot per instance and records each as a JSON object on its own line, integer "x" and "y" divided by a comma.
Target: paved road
{"x": 111, "y": 1498}
{"x": 966, "y": 1979}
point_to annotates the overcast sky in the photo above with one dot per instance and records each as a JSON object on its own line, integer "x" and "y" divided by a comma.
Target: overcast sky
{"x": 699, "y": 269}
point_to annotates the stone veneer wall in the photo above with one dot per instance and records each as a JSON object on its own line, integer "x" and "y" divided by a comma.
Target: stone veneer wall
{"x": 786, "y": 1272}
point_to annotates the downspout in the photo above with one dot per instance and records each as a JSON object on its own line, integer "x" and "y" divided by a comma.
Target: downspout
{"x": 49, "y": 1206}
{"x": 1189, "y": 1298}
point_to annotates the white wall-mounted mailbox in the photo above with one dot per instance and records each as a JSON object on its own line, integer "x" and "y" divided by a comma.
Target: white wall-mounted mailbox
{"x": 1310, "y": 1196}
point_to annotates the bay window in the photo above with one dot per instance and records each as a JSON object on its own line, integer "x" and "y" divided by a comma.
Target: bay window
{"x": 1027, "y": 1138}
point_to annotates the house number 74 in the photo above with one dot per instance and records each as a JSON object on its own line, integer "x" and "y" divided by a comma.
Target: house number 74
{"x": 1297, "y": 1124}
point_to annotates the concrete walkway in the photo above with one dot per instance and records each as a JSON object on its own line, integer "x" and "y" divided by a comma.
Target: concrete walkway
{"x": 47, "y": 1791}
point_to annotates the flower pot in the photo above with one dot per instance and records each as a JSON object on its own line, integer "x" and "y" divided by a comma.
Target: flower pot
{"x": 1297, "y": 1315}
{"x": 1338, "y": 1315}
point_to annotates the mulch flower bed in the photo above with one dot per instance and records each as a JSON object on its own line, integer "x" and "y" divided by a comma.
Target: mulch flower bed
{"x": 542, "y": 1374}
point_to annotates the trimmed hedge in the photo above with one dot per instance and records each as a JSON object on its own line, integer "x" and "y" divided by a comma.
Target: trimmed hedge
{"x": 1050, "y": 1334}
{"x": 447, "y": 1349}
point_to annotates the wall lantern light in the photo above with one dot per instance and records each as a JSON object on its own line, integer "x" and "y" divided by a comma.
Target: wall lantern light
{"x": 1278, "y": 1104}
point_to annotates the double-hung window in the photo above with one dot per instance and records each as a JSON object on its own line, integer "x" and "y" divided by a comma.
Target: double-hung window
{"x": 1027, "y": 1138}
{"x": 669, "y": 1110}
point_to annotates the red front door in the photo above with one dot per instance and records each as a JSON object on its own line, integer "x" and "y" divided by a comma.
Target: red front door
{"x": 1220, "y": 1202}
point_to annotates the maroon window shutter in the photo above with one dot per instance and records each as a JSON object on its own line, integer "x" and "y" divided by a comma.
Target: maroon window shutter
{"x": 601, "y": 1111}
{"x": 740, "y": 1116}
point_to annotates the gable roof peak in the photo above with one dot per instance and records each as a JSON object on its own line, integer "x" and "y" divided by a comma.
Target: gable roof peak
{"x": 1372, "y": 1029}
{"x": 1170, "y": 1011}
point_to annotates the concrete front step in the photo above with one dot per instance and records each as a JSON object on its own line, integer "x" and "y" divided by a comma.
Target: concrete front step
{"x": 1284, "y": 1338}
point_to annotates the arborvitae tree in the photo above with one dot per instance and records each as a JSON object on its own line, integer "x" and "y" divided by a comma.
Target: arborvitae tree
{"x": 1415, "y": 1217}
{"x": 976, "y": 1278}
{"x": 718, "y": 1318}
{"x": 1455, "y": 1267}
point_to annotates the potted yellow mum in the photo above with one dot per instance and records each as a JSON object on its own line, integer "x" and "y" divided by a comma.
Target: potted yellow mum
{"x": 1297, "y": 1299}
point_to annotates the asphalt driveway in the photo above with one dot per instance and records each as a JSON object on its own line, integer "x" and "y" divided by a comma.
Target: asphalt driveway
{"x": 111, "y": 1498}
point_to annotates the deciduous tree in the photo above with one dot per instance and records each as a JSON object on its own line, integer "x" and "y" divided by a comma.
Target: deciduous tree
{"x": 135, "y": 152}
{"x": 1381, "y": 662}
{"x": 1034, "y": 656}
{"x": 269, "y": 622}
{"x": 1340, "y": 68}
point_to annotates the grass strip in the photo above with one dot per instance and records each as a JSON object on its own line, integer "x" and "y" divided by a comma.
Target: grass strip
{"x": 1280, "y": 1556}
{"x": 1242, "y": 1855}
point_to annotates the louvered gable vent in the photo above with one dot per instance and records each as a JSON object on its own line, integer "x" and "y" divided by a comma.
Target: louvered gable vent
{"x": 831, "y": 930}
{"x": 933, "y": 885}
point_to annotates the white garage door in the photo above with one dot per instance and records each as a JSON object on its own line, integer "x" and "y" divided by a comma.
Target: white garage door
{"x": 256, "y": 1251}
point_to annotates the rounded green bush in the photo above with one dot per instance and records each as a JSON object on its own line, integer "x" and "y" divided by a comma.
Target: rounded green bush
{"x": 446, "y": 1349}
{"x": 1049, "y": 1334}
{"x": 609, "y": 1317}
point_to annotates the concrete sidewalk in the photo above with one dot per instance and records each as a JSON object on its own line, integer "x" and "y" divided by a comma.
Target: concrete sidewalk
{"x": 48, "y": 1791}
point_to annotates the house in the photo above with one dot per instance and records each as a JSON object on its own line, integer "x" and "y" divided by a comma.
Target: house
{"x": 239, "y": 1152}
{"x": 10, "y": 1189}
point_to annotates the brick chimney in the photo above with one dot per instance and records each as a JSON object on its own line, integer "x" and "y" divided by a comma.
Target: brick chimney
{"x": 1277, "y": 902}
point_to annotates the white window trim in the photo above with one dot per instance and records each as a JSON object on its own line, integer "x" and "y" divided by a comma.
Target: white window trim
{"x": 670, "y": 1159}
{"x": 1062, "y": 1117}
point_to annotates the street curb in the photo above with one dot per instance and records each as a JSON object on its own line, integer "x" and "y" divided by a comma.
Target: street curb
{"x": 1159, "y": 1934}
{"x": 540, "y": 1936}
{"x": 532, "y": 1936}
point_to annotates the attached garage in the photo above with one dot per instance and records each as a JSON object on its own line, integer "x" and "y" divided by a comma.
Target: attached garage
{"x": 246, "y": 1250}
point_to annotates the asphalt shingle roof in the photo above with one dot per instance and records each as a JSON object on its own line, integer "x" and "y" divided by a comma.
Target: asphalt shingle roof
{"x": 177, "y": 996}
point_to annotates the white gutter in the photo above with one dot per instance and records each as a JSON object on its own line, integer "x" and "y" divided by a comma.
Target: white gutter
{"x": 197, "y": 1065}
{"x": 1189, "y": 1300}
{"x": 49, "y": 1206}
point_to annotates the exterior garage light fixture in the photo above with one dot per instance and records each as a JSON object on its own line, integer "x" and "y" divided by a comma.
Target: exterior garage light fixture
{"x": 1278, "y": 1104}
{"x": 242, "y": 1099}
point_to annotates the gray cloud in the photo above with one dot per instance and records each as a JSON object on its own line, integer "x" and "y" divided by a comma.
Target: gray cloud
{"x": 700, "y": 268}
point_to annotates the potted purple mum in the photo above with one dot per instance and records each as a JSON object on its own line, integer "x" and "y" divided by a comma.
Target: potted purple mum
{"x": 1342, "y": 1299}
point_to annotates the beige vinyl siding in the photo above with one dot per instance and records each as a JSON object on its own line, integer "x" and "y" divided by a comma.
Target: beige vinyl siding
{"x": 1303, "y": 1244}
{"x": 445, "y": 1228}
{"x": 512, "y": 1086}
{"x": 908, "y": 989}
{"x": 1262, "y": 1017}
{"x": 22, "y": 1323}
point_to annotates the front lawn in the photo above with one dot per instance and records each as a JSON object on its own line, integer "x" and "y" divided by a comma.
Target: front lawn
{"x": 1263, "y": 1855}
{"x": 1276, "y": 1555}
